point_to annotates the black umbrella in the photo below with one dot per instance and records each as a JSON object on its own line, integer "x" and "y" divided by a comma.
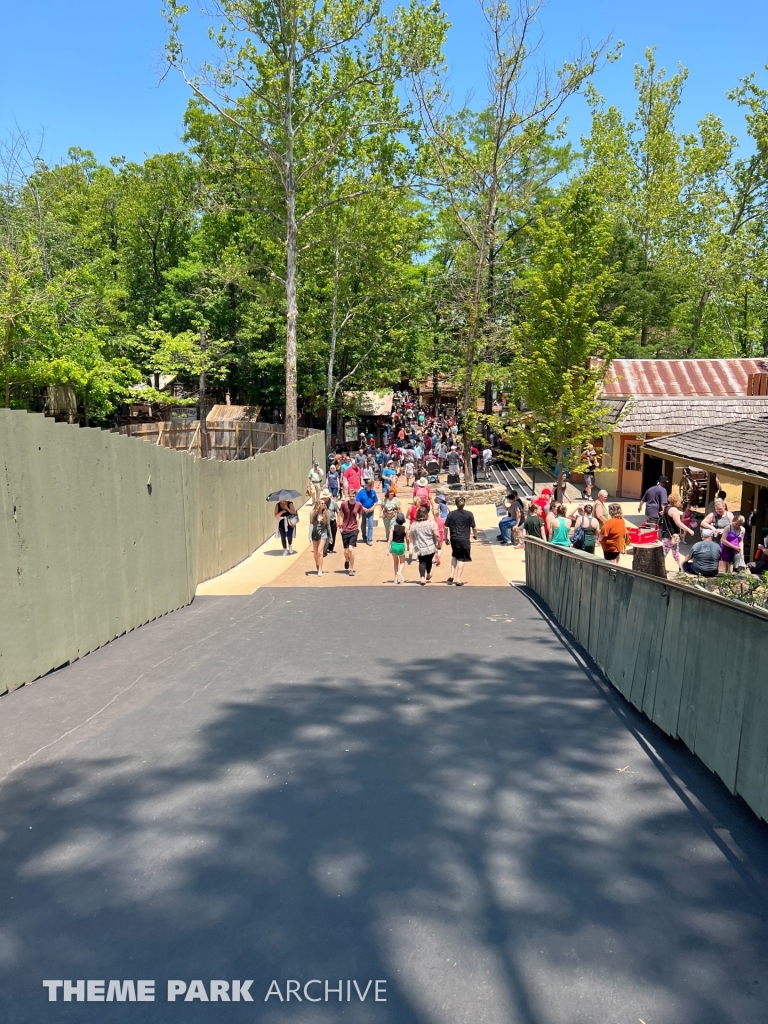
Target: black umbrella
{"x": 284, "y": 495}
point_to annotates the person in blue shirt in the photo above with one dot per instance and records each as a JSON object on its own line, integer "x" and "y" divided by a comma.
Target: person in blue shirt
{"x": 389, "y": 475}
{"x": 381, "y": 460}
{"x": 368, "y": 499}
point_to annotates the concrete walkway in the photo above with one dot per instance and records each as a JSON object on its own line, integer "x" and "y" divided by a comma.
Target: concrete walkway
{"x": 428, "y": 788}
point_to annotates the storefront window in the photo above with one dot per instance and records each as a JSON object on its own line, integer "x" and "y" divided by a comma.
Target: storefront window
{"x": 632, "y": 458}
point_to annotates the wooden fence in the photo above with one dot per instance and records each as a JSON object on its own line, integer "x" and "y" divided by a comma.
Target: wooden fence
{"x": 99, "y": 535}
{"x": 227, "y": 442}
{"x": 693, "y": 662}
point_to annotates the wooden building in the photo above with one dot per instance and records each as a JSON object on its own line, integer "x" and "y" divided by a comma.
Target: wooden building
{"x": 650, "y": 398}
{"x": 737, "y": 451}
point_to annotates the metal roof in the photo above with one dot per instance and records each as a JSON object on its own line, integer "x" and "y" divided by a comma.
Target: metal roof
{"x": 739, "y": 447}
{"x": 669, "y": 378}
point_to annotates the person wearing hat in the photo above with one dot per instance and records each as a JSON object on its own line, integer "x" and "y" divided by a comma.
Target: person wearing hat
{"x": 542, "y": 502}
{"x": 332, "y": 505}
{"x": 389, "y": 476}
{"x": 704, "y": 558}
{"x": 442, "y": 505}
{"x": 421, "y": 490}
{"x": 367, "y": 499}
{"x": 315, "y": 482}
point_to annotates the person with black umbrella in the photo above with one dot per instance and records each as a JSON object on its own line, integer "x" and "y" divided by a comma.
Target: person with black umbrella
{"x": 287, "y": 520}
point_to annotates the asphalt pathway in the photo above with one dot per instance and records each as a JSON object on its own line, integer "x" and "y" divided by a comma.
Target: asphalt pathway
{"x": 428, "y": 788}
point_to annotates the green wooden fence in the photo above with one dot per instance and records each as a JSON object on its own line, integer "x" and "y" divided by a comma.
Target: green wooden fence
{"x": 693, "y": 662}
{"x": 100, "y": 533}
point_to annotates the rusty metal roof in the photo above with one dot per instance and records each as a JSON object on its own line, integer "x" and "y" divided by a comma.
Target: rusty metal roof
{"x": 669, "y": 378}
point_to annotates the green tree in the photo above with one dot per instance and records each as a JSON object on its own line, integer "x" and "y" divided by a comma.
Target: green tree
{"x": 297, "y": 82}
{"x": 475, "y": 159}
{"x": 564, "y": 344}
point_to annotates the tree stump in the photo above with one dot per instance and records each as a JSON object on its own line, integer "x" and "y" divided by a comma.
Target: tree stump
{"x": 649, "y": 558}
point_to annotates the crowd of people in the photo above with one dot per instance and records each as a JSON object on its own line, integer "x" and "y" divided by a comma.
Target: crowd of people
{"x": 346, "y": 503}
{"x": 602, "y": 526}
{"x": 419, "y": 445}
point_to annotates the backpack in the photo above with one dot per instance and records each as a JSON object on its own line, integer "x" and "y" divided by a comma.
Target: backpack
{"x": 577, "y": 540}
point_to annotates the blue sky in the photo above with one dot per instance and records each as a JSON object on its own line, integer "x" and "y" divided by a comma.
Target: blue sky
{"x": 85, "y": 73}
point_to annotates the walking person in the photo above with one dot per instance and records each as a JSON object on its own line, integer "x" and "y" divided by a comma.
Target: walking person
{"x": 333, "y": 510}
{"x": 424, "y": 541}
{"x": 458, "y": 527}
{"x": 315, "y": 482}
{"x": 390, "y": 507}
{"x": 672, "y": 526}
{"x": 334, "y": 481}
{"x": 367, "y": 498}
{"x": 397, "y": 546}
{"x": 353, "y": 479}
{"x": 654, "y": 499}
{"x": 287, "y": 520}
{"x": 487, "y": 460}
{"x": 319, "y": 531}
{"x": 614, "y": 537}
{"x": 350, "y": 511}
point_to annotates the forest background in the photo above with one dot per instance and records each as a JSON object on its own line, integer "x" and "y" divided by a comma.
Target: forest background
{"x": 335, "y": 217}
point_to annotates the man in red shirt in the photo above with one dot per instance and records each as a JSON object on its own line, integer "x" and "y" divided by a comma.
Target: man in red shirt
{"x": 542, "y": 502}
{"x": 353, "y": 479}
{"x": 349, "y": 513}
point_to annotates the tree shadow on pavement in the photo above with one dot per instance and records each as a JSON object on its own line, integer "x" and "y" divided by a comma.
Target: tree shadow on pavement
{"x": 482, "y": 830}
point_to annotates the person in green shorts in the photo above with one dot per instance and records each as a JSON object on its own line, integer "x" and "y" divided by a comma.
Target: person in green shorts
{"x": 397, "y": 546}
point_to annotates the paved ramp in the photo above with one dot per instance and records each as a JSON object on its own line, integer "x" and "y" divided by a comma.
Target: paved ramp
{"x": 424, "y": 787}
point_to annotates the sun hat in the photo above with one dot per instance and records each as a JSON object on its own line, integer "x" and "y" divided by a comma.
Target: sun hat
{"x": 422, "y": 481}
{"x": 325, "y": 493}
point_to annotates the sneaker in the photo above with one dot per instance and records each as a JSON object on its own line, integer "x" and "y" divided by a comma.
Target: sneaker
{"x": 291, "y": 551}
{"x": 350, "y": 572}
{"x": 346, "y": 566}
{"x": 319, "y": 572}
{"x": 285, "y": 552}
{"x": 449, "y": 580}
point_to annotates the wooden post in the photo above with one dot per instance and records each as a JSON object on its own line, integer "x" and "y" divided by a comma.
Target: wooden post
{"x": 761, "y": 516}
{"x": 649, "y": 558}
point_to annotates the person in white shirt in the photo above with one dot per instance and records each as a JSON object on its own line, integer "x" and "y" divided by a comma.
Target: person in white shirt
{"x": 487, "y": 460}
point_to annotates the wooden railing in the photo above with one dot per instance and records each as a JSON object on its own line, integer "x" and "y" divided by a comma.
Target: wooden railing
{"x": 226, "y": 442}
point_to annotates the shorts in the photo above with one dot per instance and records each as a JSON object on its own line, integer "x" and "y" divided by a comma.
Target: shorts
{"x": 611, "y": 556}
{"x": 397, "y": 549}
{"x": 349, "y": 538}
{"x": 589, "y": 479}
{"x": 461, "y": 553}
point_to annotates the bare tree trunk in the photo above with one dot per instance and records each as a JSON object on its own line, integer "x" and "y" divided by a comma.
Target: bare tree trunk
{"x": 705, "y": 296}
{"x": 330, "y": 391}
{"x": 203, "y": 423}
{"x": 291, "y": 410}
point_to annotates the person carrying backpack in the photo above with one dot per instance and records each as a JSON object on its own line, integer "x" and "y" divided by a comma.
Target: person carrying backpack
{"x": 586, "y": 529}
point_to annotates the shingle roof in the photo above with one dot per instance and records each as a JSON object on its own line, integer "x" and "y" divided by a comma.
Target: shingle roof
{"x": 680, "y": 377}
{"x": 650, "y": 415}
{"x": 740, "y": 446}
